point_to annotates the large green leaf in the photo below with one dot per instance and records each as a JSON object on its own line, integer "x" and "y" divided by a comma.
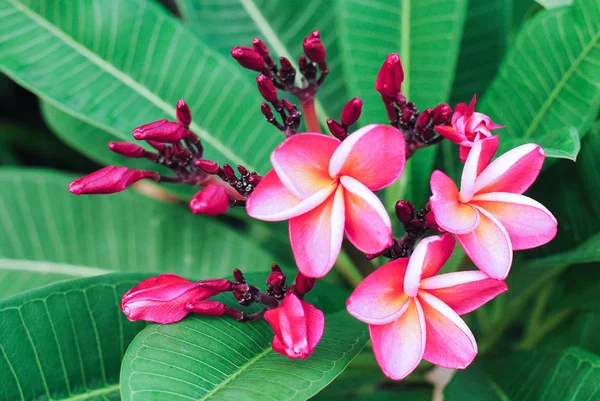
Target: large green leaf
{"x": 51, "y": 235}
{"x": 219, "y": 359}
{"x": 550, "y": 78}
{"x": 118, "y": 64}
{"x": 282, "y": 25}
{"x": 571, "y": 375}
{"x": 65, "y": 341}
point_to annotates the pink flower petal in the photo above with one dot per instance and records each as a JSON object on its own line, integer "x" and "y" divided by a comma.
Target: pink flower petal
{"x": 449, "y": 212}
{"x": 302, "y": 163}
{"x": 368, "y": 225}
{"x": 272, "y": 201}
{"x": 399, "y": 345}
{"x": 450, "y": 343}
{"x": 315, "y": 324}
{"x": 479, "y": 157}
{"x": 373, "y": 155}
{"x": 379, "y": 298}
{"x": 427, "y": 259}
{"x": 514, "y": 171}
{"x": 316, "y": 237}
{"x": 488, "y": 246}
{"x": 449, "y": 133}
{"x": 463, "y": 152}
{"x": 463, "y": 291}
{"x": 528, "y": 223}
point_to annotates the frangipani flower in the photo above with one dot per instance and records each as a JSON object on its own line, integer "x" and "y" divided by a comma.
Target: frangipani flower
{"x": 467, "y": 128}
{"x": 324, "y": 187}
{"x": 413, "y": 314}
{"x": 489, "y": 215}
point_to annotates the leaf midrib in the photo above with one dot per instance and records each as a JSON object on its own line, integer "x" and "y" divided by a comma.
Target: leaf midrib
{"x": 560, "y": 85}
{"x": 51, "y": 267}
{"x": 128, "y": 81}
{"x": 405, "y": 46}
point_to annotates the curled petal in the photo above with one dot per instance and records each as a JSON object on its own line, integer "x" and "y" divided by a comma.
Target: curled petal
{"x": 272, "y": 201}
{"x": 513, "y": 172}
{"x": 450, "y": 343}
{"x": 399, "y": 345}
{"x": 488, "y": 246}
{"x": 373, "y": 155}
{"x": 368, "y": 225}
{"x": 479, "y": 157}
{"x": 463, "y": 291}
{"x": 211, "y": 201}
{"x": 449, "y": 212}
{"x": 302, "y": 163}
{"x": 379, "y": 298}
{"x": 463, "y": 152}
{"x": 528, "y": 223}
{"x": 449, "y": 133}
{"x": 316, "y": 237}
{"x": 427, "y": 259}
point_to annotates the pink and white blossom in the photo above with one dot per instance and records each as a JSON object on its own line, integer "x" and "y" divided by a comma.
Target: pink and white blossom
{"x": 324, "y": 187}
{"x": 414, "y": 314}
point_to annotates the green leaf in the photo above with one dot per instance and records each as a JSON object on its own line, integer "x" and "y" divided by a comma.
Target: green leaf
{"x": 572, "y": 374}
{"x": 119, "y": 64}
{"x": 66, "y": 341}
{"x": 550, "y": 79}
{"x": 282, "y": 26}
{"x": 549, "y": 4}
{"x": 210, "y": 359}
{"x": 588, "y": 252}
{"x": 51, "y": 234}
{"x": 484, "y": 40}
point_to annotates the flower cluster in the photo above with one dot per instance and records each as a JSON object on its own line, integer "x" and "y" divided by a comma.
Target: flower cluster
{"x": 325, "y": 187}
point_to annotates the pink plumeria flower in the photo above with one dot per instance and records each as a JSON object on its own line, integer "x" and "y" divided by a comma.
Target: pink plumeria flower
{"x": 489, "y": 216}
{"x": 467, "y": 128}
{"x": 414, "y": 315}
{"x": 324, "y": 187}
{"x": 298, "y": 327}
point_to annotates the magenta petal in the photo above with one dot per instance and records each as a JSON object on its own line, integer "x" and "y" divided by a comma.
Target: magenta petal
{"x": 379, "y": 298}
{"x": 449, "y": 133}
{"x": 427, "y": 259}
{"x": 488, "y": 246}
{"x": 463, "y": 291}
{"x": 399, "y": 345}
{"x": 450, "y": 214}
{"x": 450, "y": 343}
{"x": 528, "y": 223}
{"x": 316, "y": 237}
{"x": 373, "y": 155}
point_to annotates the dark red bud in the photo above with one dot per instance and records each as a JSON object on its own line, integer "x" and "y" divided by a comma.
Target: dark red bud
{"x": 216, "y": 284}
{"x": 207, "y": 308}
{"x": 238, "y": 276}
{"x": 390, "y": 77}
{"x": 407, "y": 114}
{"x": 405, "y": 211}
{"x": 313, "y": 48}
{"x": 266, "y": 110}
{"x": 276, "y": 279}
{"x": 315, "y": 34}
{"x": 243, "y": 170}
{"x": 208, "y": 166}
{"x": 286, "y": 66}
{"x": 254, "y": 179}
{"x": 127, "y": 149}
{"x": 248, "y": 58}
{"x": 336, "y": 129}
{"x": 266, "y": 88}
{"x": 228, "y": 170}
{"x": 424, "y": 118}
{"x": 432, "y": 224}
{"x": 304, "y": 284}
{"x": 287, "y": 104}
{"x": 302, "y": 63}
{"x": 109, "y": 180}
{"x": 441, "y": 113}
{"x": 157, "y": 145}
{"x": 184, "y": 115}
{"x": 400, "y": 99}
{"x": 260, "y": 47}
{"x": 161, "y": 131}
{"x": 351, "y": 111}
{"x": 210, "y": 201}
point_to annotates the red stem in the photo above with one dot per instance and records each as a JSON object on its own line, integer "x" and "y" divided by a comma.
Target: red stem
{"x": 310, "y": 116}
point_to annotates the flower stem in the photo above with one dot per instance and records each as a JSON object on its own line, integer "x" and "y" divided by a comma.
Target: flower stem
{"x": 310, "y": 115}
{"x": 347, "y": 269}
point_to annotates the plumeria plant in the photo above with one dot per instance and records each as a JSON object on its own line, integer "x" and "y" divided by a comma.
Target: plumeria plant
{"x": 405, "y": 193}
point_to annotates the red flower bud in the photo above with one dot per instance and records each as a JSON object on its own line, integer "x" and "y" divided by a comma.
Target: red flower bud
{"x": 184, "y": 115}
{"x": 432, "y": 224}
{"x": 228, "y": 170}
{"x": 286, "y": 66}
{"x": 162, "y": 299}
{"x": 207, "y": 308}
{"x": 337, "y": 129}
{"x": 424, "y": 118}
{"x": 276, "y": 277}
{"x": 210, "y": 201}
{"x": 390, "y": 77}
{"x": 127, "y": 149}
{"x": 208, "y": 166}
{"x": 109, "y": 180}
{"x": 260, "y": 47}
{"x": 441, "y": 113}
{"x": 304, "y": 284}
{"x": 238, "y": 276}
{"x": 351, "y": 111}
{"x": 405, "y": 211}
{"x": 248, "y": 58}
{"x": 216, "y": 284}
{"x": 266, "y": 88}
{"x": 161, "y": 131}
{"x": 313, "y": 47}
{"x": 157, "y": 145}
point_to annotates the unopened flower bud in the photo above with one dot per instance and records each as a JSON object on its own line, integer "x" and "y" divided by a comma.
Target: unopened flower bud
{"x": 286, "y": 66}
{"x": 441, "y": 113}
{"x": 432, "y": 224}
{"x": 228, "y": 170}
{"x": 336, "y": 129}
{"x": 208, "y": 166}
{"x": 216, "y": 284}
{"x": 207, "y": 308}
{"x": 313, "y": 47}
{"x": 248, "y": 58}
{"x": 407, "y": 113}
{"x": 238, "y": 276}
{"x": 266, "y": 88}
{"x": 260, "y": 47}
{"x": 390, "y": 77}
{"x": 276, "y": 277}
{"x": 351, "y": 111}
{"x": 265, "y": 109}
{"x": 243, "y": 170}
{"x": 157, "y": 145}
{"x": 400, "y": 99}
{"x": 109, "y": 180}
{"x": 184, "y": 115}
{"x": 304, "y": 284}
{"x": 210, "y": 201}
{"x": 127, "y": 149}
{"x": 302, "y": 63}
{"x": 405, "y": 211}
{"x": 424, "y": 118}
{"x": 161, "y": 131}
